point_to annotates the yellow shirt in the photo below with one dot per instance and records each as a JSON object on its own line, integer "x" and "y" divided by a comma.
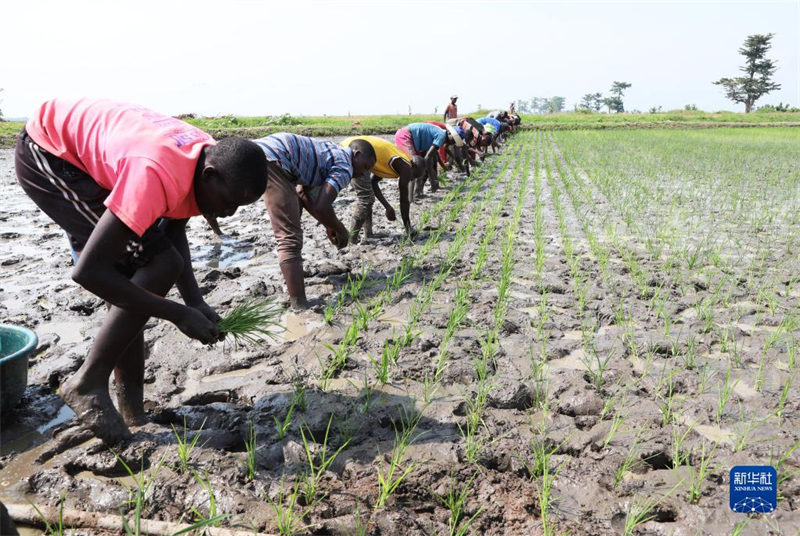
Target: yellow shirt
{"x": 385, "y": 153}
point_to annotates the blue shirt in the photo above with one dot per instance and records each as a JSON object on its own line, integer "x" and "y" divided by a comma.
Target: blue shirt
{"x": 492, "y": 121}
{"x": 314, "y": 162}
{"x": 424, "y": 135}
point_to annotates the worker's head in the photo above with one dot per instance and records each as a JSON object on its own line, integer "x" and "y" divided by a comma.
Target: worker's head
{"x": 363, "y": 157}
{"x": 229, "y": 174}
{"x": 453, "y": 98}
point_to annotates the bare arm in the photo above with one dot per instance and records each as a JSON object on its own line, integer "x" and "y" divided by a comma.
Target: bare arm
{"x": 322, "y": 211}
{"x": 96, "y": 272}
{"x": 376, "y": 189}
{"x": 186, "y": 283}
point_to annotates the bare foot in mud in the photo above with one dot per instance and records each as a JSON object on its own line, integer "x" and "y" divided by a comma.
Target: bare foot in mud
{"x": 130, "y": 401}
{"x": 95, "y": 410}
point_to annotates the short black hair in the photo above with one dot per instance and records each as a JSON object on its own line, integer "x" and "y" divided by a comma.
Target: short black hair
{"x": 241, "y": 161}
{"x": 364, "y": 147}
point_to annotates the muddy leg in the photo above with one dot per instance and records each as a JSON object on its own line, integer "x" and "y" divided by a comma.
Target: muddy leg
{"x": 368, "y": 223}
{"x": 129, "y": 379}
{"x": 86, "y": 392}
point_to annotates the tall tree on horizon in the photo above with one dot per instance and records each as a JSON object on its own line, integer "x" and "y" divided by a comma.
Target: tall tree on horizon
{"x": 758, "y": 71}
{"x": 614, "y": 102}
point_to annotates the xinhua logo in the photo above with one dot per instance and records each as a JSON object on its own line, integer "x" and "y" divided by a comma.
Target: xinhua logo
{"x": 754, "y": 489}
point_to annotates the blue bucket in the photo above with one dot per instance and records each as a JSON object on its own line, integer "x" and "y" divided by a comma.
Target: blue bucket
{"x": 16, "y": 344}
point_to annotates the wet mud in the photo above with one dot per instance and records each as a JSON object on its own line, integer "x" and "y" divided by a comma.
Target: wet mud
{"x": 543, "y": 389}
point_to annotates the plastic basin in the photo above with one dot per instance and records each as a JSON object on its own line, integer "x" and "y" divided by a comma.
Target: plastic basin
{"x": 16, "y": 343}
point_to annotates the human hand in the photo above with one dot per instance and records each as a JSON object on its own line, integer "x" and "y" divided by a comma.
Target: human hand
{"x": 390, "y": 214}
{"x": 338, "y": 235}
{"x": 207, "y": 311}
{"x": 195, "y": 324}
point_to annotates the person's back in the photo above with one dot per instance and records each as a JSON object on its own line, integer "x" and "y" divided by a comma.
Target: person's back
{"x": 154, "y": 155}
{"x": 425, "y": 135}
{"x": 312, "y": 161}
{"x": 385, "y": 153}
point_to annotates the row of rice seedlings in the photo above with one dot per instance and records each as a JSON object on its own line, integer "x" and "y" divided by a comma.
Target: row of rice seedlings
{"x": 342, "y": 352}
{"x": 393, "y": 472}
{"x": 482, "y": 365}
{"x": 349, "y": 293}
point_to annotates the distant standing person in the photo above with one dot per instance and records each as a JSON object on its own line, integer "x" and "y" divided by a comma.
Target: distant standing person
{"x": 451, "y": 112}
{"x": 390, "y": 163}
{"x": 122, "y": 181}
{"x": 307, "y": 173}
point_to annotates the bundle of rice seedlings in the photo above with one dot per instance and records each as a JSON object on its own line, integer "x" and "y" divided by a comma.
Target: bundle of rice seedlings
{"x": 252, "y": 322}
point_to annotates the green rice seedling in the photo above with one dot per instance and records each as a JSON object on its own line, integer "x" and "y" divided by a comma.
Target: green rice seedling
{"x": 689, "y": 357}
{"x": 783, "y": 398}
{"x": 57, "y": 527}
{"x": 317, "y": 464}
{"x": 705, "y": 313}
{"x": 744, "y": 429}
{"x": 282, "y": 425}
{"x": 138, "y": 493}
{"x": 389, "y": 478}
{"x": 698, "y": 475}
{"x": 679, "y": 455}
{"x": 724, "y": 393}
{"x": 791, "y": 353}
{"x": 640, "y": 512}
{"x": 759, "y": 379}
{"x": 739, "y": 527}
{"x": 252, "y": 322}
{"x": 542, "y": 452}
{"x": 213, "y": 518}
{"x": 330, "y": 311}
{"x": 250, "y": 445}
{"x": 546, "y": 499}
{"x": 299, "y": 399}
{"x": 616, "y": 422}
{"x": 705, "y": 373}
{"x": 289, "y": 515}
{"x": 186, "y": 445}
{"x": 454, "y": 500}
{"x": 596, "y": 367}
{"x": 367, "y": 390}
{"x": 667, "y": 403}
{"x": 779, "y": 465}
{"x": 626, "y": 465}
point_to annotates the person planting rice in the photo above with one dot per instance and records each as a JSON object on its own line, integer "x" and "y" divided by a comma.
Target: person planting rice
{"x": 423, "y": 139}
{"x": 493, "y": 127}
{"x": 122, "y": 181}
{"x": 390, "y": 163}
{"x": 307, "y": 173}
{"x": 455, "y": 135}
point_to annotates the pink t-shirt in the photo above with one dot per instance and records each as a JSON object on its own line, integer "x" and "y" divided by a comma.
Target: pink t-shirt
{"x": 146, "y": 160}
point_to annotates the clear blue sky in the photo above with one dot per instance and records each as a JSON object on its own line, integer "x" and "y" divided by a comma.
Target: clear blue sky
{"x": 313, "y": 58}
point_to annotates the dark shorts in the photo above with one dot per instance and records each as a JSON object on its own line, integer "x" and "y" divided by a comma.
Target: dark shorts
{"x": 74, "y": 200}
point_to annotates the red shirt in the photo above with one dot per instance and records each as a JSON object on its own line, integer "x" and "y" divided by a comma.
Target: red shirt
{"x": 146, "y": 160}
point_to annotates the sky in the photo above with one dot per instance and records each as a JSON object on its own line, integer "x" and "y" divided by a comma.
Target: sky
{"x": 383, "y": 57}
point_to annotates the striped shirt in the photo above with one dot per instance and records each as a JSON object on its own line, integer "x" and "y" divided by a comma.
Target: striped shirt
{"x": 314, "y": 162}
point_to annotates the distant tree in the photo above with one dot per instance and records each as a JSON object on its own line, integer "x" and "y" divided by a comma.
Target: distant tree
{"x": 690, "y": 107}
{"x": 1, "y": 110}
{"x": 591, "y": 101}
{"x": 614, "y": 102}
{"x": 655, "y": 109}
{"x": 522, "y": 106}
{"x": 758, "y": 72}
{"x": 555, "y": 105}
